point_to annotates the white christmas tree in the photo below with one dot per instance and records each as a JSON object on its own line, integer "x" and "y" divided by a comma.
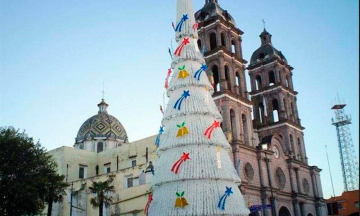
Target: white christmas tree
{"x": 194, "y": 175}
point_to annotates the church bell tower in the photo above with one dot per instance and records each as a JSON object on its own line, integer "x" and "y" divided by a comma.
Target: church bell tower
{"x": 220, "y": 40}
{"x": 274, "y": 98}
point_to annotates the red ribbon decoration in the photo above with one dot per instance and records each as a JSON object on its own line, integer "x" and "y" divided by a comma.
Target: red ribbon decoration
{"x": 177, "y": 164}
{"x": 180, "y": 48}
{"x": 148, "y": 204}
{"x": 195, "y": 26}
{"x": 167, "y": 78}
{"x": 208, "y": 133}
{"x": 161, "y": 110}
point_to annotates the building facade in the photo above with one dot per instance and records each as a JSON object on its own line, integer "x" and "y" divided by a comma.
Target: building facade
{"x": 265, "y": 116}
{"x": 281, "y": 172}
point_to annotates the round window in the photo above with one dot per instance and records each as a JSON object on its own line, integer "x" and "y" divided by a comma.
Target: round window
{"x": 280, "y": 178}
{"x": 306, "y": 186}
{"x": 249, "y": 171}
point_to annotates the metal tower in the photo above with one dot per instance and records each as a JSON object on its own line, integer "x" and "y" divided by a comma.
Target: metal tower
{"x": 349, "y": 163}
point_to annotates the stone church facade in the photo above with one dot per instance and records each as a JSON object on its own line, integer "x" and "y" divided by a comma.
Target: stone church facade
{"x": 283, "y": 168}
{"x": 267, "y": 116}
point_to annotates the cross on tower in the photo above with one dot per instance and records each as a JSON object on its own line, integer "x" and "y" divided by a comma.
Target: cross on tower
{"x": 103, "y": 91}
{"x": 264, "y": 23}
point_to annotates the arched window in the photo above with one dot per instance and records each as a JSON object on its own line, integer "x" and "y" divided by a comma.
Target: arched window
{"x": 227, "y": 77}
{"x": 299, "y": 148}
{"x": 275, "y": 106}
{"x": 233, "y": 123}
{"x": 261, "y": 113}
{"x": 213, "y": 41}
{"x": 292, "y": 144}
{"x": 223, "y": 40}
{"x": 100, "y": 147}
{"x": 287, "y": 82}
{"x": 271, "y": 78}
{"x": 245, "y": 127}
{"x": 199, "y": 44}
{"x": 233, "y": 46}
{"x": 258, "y": 82}
{"x": 215, "y": 71}
{"x": 237, "y": 80}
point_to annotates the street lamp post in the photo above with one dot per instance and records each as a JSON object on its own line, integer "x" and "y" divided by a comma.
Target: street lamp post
{"x": 265, "y": 148}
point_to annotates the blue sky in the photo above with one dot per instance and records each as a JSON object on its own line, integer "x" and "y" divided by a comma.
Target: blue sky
{"x": 55, "y": 56}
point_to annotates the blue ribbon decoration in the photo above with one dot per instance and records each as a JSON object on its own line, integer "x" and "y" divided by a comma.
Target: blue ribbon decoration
{"x": 170, "y": 53}
{"x": 178, "y": 103}
{"x": 179, "y": 25}
{"x": 199, "y": 72}
{"x": 157, "y": 141}
{"x": 222, "y": 201}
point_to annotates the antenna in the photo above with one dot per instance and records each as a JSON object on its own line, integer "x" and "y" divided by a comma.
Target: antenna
{"x": 332, "y": 184}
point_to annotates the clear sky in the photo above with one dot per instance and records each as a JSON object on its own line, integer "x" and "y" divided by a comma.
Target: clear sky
{"x": 55, "y": 56}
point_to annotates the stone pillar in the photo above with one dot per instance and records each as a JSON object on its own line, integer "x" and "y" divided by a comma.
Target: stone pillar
{"x": 262, "y": 184}
{"x": 302, "y": 209}
{"x": 296, "y": 207}
{"x": 236, "y": 129}
{"x": 223, "y": 82}
{"x": 290, "y": 167}
{"x": 298, "y": 180}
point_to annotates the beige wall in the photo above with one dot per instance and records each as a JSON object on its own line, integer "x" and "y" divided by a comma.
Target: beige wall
{"x": 127, "y": 201}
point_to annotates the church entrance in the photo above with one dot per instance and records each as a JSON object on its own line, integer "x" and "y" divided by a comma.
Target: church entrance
{"x": 284, "y": 211}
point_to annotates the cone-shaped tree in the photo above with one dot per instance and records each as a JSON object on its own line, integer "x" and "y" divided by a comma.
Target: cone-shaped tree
{"x": 194, "y": 175}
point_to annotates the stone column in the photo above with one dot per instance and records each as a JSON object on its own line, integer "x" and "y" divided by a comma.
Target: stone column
{"x": 223, "y": 82}
{"x": 296, "y": 207}
{"x": 298, "y": 180}
{"x": 262, "y": 184}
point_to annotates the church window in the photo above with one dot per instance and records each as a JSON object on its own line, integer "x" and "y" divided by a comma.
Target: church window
{"x": 81, "y": 146}
{"x": 245, "y": 127}
{"x": 213, "y": 41}
{"x": 271, "y": 78}
{"x": 215, "y": 71}
{"x": 129, "y": 182}
{"x": 280, "y": 178}
{"x": 292, "y": 144}
{"x": 82, "y": 172}
{"x": 199, "y": 44}
{"x": 249, "y": 171}
{"x": 261, "y": 113}
{"x": 107, "y": 168}
{"x": 275, "y": 105}
{"x": 261, "y": 56}
{"x": 223, "y": 40}
{"x": 287, "y": 82}
{"x": 258, "y": 83}
{"x": 233, "y": 46}
{"x": 133, "y": 163}
{"x": 299, "y": 148}
{"x": 100, "y": 147}
{"x": 306, "y": 186}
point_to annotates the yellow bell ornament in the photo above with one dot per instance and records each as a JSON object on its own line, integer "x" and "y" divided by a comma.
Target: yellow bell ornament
{"x": 182, "y": 130}
{"x": 183, "y": 73}
{"x": 181, "y": 202}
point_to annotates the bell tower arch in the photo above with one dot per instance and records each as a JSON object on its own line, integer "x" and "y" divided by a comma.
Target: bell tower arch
{"x": 222, "y": 42}
{"x": 274, "y": 98}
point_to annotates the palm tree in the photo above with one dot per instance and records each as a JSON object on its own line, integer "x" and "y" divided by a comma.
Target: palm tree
{"x": 55, "y": 190}
{"x": 101, "y": 189}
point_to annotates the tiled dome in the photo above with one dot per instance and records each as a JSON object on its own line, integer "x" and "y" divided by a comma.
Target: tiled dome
{"x": 102, "y": 125}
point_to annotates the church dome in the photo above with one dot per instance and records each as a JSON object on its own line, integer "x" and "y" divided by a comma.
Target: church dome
{"x": 266, "y": 51}
{"x": 102, "y": 125}
{"x": 213, "y": 9}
